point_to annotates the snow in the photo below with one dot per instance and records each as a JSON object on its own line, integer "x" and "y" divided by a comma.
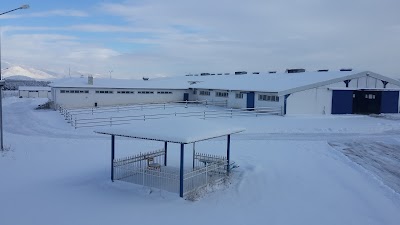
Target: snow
{"x": 249, "y": 82}
{"x": 25, "y": 71}
{"x": 158, "y": 83}
{"x": 288, "y": 174}
{"x": 176, "y": 130}
{"x": 33, "y": 88}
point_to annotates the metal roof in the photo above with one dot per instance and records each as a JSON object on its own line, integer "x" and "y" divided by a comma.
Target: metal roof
{"x": 174, "y": 130}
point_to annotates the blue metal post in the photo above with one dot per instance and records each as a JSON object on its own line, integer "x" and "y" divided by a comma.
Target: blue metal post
{"x": 181, "y": 172}
{"x": 112, "y": 156}
{"x": 284, "y": 104}
{"x": 165, "y": 153}
{"x": 228, "y": 153}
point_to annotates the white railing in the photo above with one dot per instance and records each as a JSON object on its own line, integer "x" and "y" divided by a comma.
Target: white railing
{"x": 207, "y": 169}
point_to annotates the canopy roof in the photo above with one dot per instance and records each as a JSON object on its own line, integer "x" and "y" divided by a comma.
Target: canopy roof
{"x": 182, "y": 130}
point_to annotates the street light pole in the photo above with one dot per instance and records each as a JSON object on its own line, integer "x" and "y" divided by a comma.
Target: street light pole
{"x": 2, "y": 82}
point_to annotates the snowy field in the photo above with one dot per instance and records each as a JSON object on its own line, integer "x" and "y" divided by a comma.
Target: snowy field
{"x": 289, "y": 173}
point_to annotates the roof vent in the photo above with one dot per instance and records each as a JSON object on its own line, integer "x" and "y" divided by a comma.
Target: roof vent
{"x": 204, "y": 74}
{"x": 295, "y": 70}
{"x": 346, "y": 70}
{"x": 226, "y": 73}
{"x": 240, "y": 72}
{"x": 145, "y": 78}
{"x": 256, "y": 72}
{"x": 272, "y": 72}
{"x": 322, "y": 70}
{"x": 90, "y": 80}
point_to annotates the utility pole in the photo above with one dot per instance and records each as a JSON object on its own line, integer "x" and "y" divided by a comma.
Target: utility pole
{"x": 2, "y": 81}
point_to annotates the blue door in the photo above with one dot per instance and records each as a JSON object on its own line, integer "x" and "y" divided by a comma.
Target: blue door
{"x": 342, "y": 102}
{"x": 250, "y": 100}
{"x": 390, "y": 102}
{"x": 186, "y": 97}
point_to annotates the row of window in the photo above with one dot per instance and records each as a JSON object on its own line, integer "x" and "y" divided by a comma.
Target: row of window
{"x": 37, "y": 91}
{"x": 221, "y": 94}
{"x": 270, "y": 98}
{"x": 125, "y": 92}
{"x": 204, "y": 93}
{"x": 239, "y": 95}
{"x": 145, "y": 92}
{"x": 118, "y": 92}
{"x": 164, "y": 92}
{"x": 74, "y": 91}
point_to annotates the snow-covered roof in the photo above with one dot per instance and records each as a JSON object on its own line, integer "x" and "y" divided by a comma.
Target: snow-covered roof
{"x": 34, "y": 88}
{"x": 156, "y": 83}
{"x": 281, "y": 83}
{"x": 276, "y": 82}
{"x": 176, "y": 130}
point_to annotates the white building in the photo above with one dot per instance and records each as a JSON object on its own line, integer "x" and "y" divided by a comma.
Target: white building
{"x": 337, "y": 92}
{"x": 34, "y": 92}
{"x": 82, "y": 92}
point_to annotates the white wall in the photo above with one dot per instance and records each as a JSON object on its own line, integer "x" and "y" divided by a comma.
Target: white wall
{"x": 34, "y": 94}
{"x": 76, "y": 100}
{"x": 319, "y": 100}
{"x": 260, "y": 103}
{"x": 312, "y": 101}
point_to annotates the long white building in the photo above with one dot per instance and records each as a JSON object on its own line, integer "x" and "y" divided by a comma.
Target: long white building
{"x": 336, "y": 92}
{"x": 34, "y": 92}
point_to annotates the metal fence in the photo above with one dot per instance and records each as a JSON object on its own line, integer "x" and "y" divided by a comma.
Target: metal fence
{"x": 71, "y": 113}
{"x": 207, "y": 169}
{"x": 77, "y": 122}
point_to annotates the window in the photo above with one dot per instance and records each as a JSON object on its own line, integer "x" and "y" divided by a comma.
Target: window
{"x": 204, "y": 93}
{"x": 104, "y": 92}
{"x": 239, "y": 95}
{"x": 195, "y": 92}
{"x": 164, "y": 92}
{"x": 74, "y": 91}
{"x": 221, "y": 94}
{"x": 271, "y": 98}
{"x": 125, "y": 92}
{"x": 145, "y": 92}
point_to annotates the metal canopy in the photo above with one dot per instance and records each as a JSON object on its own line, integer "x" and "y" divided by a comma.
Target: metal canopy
{"x": 173, "y": 130}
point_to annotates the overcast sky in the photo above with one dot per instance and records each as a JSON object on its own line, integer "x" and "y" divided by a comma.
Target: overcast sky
{"x": 176, "y": 37}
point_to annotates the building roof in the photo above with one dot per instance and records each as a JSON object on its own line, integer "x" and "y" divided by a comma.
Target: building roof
{"x": 156, "y": 83}
{"x": 280, "y": 83}
{"x": 175, "y": 130}
{"x": 34, "y": 88}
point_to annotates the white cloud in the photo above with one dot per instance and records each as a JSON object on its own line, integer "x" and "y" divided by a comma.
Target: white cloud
{"x": 176, "y": 37}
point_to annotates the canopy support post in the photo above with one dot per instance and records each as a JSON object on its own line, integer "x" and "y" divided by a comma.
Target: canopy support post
{"x": 194, "y": 152}
{"x": 112, "y": 156}
{"x": 228, "y": 153}
{"x": 181, "y": 172}
{"x": 165, "y": 153}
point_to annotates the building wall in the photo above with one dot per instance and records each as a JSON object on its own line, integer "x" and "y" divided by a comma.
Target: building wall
{"x": 312, "y": 101}
{"x": 76, "y": 100}
{"x": 35, "y": 94}
{"x": 319, "y": 100}
{"x": 231, "y": 100}
{"x": 261, "y": 103}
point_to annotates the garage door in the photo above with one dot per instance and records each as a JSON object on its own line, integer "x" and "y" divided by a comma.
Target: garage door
{"x": 342, "y": 102}
{"x": 390, "y": 102}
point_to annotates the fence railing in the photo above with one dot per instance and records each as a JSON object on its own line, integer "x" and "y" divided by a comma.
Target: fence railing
{"x": 137, "y": 107}
{"x": 207, "y": 169}
{"x": 206, "y": 114}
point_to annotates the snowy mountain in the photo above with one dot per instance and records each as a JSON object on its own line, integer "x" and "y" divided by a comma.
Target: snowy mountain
{"x": 27, "y": 72}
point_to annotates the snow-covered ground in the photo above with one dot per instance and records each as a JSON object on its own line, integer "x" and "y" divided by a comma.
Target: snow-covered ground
{"x": 288, "y": 174}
